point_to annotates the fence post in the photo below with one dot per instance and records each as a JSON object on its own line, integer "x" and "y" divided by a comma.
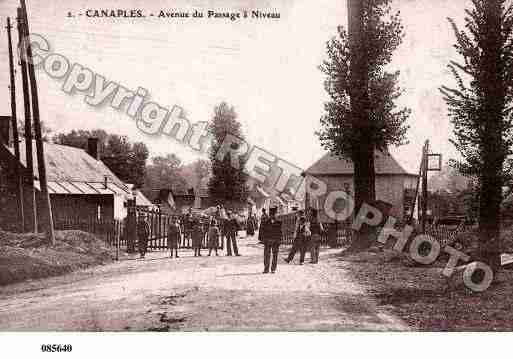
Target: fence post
{"x": 160, "y": 229}
{"x": 117, "y": 235}
{"x": 332, "y": 240}
{"x": 131, "y": 226}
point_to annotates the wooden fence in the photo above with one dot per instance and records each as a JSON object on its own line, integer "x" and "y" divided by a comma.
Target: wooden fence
{"x": 111, "y": 231}
{"x": 446, "y": 234}
{"x": 108, "y": 230}
{"x": 159, "y": 224}
{"x": 335, "y": 234}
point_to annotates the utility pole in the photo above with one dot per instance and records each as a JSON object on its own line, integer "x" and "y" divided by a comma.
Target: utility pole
{"x": 16, "y": 139}
{"x": 31, "y": 210}
{"x": 47, "y": 208}
{"x": 425, "y": 161}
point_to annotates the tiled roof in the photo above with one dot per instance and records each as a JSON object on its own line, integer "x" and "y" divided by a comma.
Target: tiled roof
{"x": 329, "y": 164}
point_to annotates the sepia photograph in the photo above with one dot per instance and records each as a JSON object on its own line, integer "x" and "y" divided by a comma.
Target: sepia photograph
{"x": 251, "y": 167}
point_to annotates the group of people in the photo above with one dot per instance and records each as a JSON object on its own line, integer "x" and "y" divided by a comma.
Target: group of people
{"x": 192, "y": 232}
{"x": 307, "y": 237}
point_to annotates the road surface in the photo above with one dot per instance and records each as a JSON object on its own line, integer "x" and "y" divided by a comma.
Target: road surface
{"x": 207, "y": 293}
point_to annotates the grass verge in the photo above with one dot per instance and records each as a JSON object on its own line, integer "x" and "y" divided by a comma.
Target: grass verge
{"x": 423, "y": 298}
{"x": 29, "y": 256}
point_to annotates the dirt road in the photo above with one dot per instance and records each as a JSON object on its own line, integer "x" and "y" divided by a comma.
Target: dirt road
{"x": 208, "y": 293}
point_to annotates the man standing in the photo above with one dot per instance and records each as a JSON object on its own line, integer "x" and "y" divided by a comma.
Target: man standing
{"x": 143, "y": 234}
{"x": 271, "y": 236}
{"x": 263, "y": 218}
{"x": 221, "y": 218}
{"x": 187, "y": 229}
{"x": 197, "y": 237}
{"x": 231, "y": 228}
{"x": 316, "y": 230}
{"x": 174, "y": 235}
{"x": 298, "y": 240}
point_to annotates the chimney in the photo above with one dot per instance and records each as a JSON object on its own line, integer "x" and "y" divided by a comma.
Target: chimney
{"x": 92, "y": 148}
{"x": 5, "y": 130}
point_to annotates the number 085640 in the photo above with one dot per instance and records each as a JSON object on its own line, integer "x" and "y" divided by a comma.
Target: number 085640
{"x": 56, "y": 348}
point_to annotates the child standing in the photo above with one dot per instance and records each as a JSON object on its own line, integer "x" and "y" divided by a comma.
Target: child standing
{"x": 213, "y": 237}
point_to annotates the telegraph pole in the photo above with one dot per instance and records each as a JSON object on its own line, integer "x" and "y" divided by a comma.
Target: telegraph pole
{"x": 32, "y": 208}
{"x": 425, "y": 160}
{"x": 16, "y": 139}
{"x": 37, "y": 129}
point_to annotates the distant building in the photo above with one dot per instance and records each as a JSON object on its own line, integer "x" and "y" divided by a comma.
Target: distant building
{"x": 175, "y": 201}
{"x": 395, "y": 187}
{"x": 79, "y": 184}
{"x": 266, "y": 195}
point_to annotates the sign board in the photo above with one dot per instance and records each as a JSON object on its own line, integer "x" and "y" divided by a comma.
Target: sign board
{"x": 506, "y": 258}
{"x": 434, "y": 162}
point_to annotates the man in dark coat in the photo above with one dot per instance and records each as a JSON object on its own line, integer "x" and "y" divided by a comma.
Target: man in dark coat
{"x": 298, "y": 245}
{"x": 174, "y": 236}
{"x": 197, "y": 237}
{"x": 271, "y": 236}
{"x": 231, "y": 228}
{"x": 263, "y": 218}
{"x": 143, "y": 234}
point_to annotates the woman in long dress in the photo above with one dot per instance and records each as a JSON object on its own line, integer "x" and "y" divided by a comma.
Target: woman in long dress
{"x": 250, "y": 230}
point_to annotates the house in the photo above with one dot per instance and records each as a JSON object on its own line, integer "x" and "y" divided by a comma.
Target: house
{"x": 263, "y": 195}
{"x": 141, "y": 201}
{"x": 264, "y": 198}
{"x": 79, "y": 184}
{"x": 176, "y": 201}
{"x": 395, "y": 186}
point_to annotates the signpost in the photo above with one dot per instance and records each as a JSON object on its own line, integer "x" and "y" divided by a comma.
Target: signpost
{"x": 428, "y": 162}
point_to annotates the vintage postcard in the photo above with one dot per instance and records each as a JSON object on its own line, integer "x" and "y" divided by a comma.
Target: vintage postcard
{"x": 255, "y": 166}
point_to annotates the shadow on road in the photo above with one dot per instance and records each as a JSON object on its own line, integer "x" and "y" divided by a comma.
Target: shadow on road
{"x": 240, "y": 274}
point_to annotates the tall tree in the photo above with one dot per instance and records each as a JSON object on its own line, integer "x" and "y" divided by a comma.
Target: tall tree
{"x": 164, "y": 172}
{"x": 125, "y": 159}
{"x": 480, "y": 109}
{"x": 362, "y": 114}
{"x": 227, "y": 183}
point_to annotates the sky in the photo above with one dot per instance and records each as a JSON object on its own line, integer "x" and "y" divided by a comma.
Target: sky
{"x": 267, "y": 69}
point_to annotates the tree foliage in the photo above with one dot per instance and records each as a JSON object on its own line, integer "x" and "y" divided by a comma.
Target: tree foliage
{"x": 125, "y": 159}
{"x": 479, "y": 107}
{"x": 466, "y": 101}
{"x": 164, "y": 172}
{"x": 197, "y": 173}
{"x": 341, "y": 133}
{"x": 227, "y": 183}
